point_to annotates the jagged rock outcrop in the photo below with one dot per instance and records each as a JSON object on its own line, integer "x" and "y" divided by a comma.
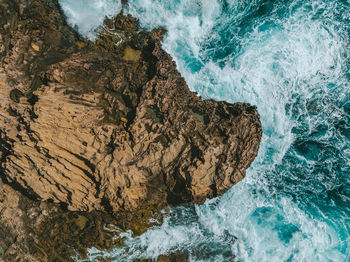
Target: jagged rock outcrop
{"x": 110, "y": 125}
{"x": 98, "y": 126}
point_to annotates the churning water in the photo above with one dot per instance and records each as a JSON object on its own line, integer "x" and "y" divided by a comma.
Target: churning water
{"x": 291, "y": 58}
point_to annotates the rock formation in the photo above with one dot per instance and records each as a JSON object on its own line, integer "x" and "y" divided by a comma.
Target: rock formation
{"x": 110, "y": 126}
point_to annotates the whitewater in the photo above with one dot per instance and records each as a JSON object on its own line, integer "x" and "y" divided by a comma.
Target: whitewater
{"x": 289, "y": 58}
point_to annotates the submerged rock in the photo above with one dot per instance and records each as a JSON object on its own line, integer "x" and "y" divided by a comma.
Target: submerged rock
{"x": 173, "y": 258}
{"x": 109, "y": 126}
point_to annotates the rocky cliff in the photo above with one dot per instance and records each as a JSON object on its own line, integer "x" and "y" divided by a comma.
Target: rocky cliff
{"x": 109, "y": 126}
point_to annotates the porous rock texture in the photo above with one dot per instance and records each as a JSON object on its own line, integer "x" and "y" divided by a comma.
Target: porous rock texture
{"x": 110, "y": 126}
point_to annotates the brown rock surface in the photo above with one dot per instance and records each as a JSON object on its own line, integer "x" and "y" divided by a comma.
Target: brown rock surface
{"x": 173, "y": 258}
{"x": 111, "y": 125}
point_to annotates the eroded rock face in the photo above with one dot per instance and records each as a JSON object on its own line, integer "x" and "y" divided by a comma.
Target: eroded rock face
{"x": 105, "y": 126}
{"x": 111, "y": 125}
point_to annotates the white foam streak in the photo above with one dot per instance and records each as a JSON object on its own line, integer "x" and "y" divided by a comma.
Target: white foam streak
{"x": 88, "y": 15}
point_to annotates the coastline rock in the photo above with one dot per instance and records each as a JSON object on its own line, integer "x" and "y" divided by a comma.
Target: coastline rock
{"x": 110, "y": 126}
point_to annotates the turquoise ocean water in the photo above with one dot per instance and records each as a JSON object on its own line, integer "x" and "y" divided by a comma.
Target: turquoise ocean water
{"x": 292, "y": 60}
